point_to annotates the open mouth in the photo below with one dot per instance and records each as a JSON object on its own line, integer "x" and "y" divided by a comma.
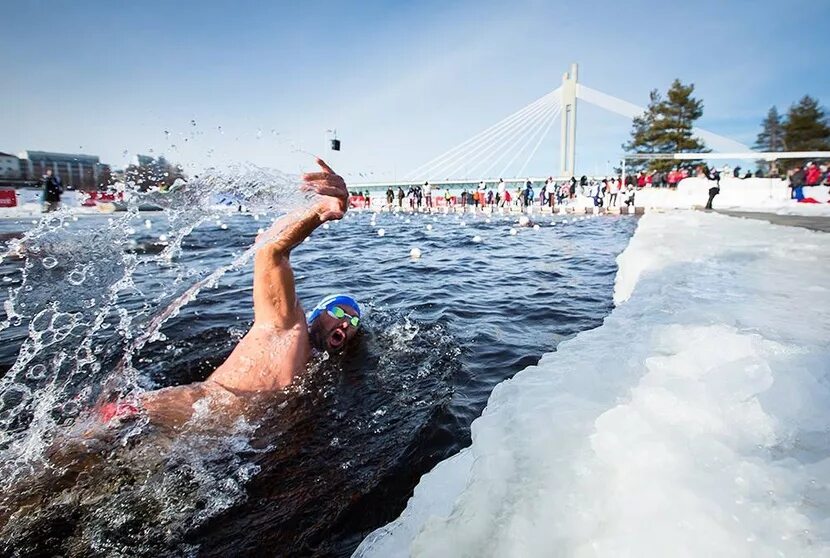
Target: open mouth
{"x": 337, "y": 338}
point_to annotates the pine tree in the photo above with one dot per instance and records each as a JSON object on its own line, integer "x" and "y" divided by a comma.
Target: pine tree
{"x": 642, "y": 136}
{"x": 770, "y": 139}
{"x": 667, "y": 126}
{"x": 806, "y": 128}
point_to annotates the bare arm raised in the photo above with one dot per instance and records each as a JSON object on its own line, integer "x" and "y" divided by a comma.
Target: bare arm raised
{"x": 275, "y": 298}
{"x": 277, "y": 347}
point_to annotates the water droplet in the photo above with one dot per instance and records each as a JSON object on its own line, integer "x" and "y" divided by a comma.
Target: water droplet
{"x": 223, "y": 226}
{"x": 476, "y": 239}
{"x": 381, "y": 232}
{"x": 429, "y": 227}
{"x": 325, "y": 225}
{"x": 76, "y": 277}
{"x": 148, "y": 224}
{"x": 415, "y": 253}
{"x": 36, "y": 372}
{"x": 513, "y": 232}
{"x": 193, "y": 123}
{"x": 49, "y": 262}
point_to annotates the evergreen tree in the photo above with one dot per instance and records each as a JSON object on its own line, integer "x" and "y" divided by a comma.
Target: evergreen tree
{"x": 666, "y": 126}
{"x": 806, "y": 128}
{"x": 642, "y": 132}
{"x": 770, "y": 139}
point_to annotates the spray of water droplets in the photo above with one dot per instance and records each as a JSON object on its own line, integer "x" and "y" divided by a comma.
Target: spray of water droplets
{"x": 80, "y": 318}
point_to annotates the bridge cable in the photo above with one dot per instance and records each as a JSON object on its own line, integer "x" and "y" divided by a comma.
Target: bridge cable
{"x": 536, "y": 129}
{"x": 488, "y": 138}
{"x": 541, "y": 139}
{"x": 528, "y": 134}
{"x": 489, "y": 131}
{"x": 517, "y": 129}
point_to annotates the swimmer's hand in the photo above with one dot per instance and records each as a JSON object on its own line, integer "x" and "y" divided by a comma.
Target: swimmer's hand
{"x": 332, "y": 196}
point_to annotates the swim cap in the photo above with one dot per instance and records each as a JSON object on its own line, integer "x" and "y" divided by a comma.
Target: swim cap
{"x": 332, "y": 300}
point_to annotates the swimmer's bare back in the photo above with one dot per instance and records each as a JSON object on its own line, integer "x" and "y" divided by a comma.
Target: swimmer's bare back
{"x": 277, "y": 348}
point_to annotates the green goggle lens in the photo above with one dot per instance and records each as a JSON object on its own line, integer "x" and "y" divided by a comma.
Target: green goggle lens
{"x": 339, "y": 314}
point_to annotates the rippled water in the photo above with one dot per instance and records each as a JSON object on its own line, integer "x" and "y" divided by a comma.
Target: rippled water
{"x": 307, "y": 472}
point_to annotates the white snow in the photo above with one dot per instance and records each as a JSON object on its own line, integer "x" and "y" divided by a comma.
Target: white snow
{"x": 693, "y": 422}
{"x": 752, "y": 194}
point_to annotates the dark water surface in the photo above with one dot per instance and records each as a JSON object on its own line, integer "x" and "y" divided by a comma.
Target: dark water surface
{"x": 318, "y": 467}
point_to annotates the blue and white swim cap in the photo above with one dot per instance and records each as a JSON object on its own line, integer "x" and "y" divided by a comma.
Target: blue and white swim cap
{"x": 330, "y": 301}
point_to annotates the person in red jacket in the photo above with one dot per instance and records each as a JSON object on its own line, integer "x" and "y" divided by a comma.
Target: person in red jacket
{"x": 813, "y": 175}
{"x": 672, "y": 178}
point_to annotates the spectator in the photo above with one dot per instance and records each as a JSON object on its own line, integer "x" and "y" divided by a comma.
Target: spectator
{"x": 715, "y": 175}
{"x": 673, "y": 178}
{"x": 797, "y": 179}
{"x": 390, "y": 197}
{"x": 500, "y": 193}
{"x": 737, "y": 172}
{"x": 748, "y": 174}
{"x": 713, "y": 191}
{"x": 528, "y": 193}
{"x": 615, "y": 188}
{"x": 428, "y": 194}
{"x": 52, "y": 190}
{"x": 812, "y": 175}
{"x": 629, "y": 200}
{"x": 400, "y": 197}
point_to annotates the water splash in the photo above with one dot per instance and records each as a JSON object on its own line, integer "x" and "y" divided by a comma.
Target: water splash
{"x": 80, "y": 316}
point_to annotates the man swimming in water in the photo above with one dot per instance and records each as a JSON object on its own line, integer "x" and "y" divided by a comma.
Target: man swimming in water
{"x": 282, "y": 339}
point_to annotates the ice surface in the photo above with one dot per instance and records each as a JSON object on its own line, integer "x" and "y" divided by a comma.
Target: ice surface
{"x": 693, "y": 422}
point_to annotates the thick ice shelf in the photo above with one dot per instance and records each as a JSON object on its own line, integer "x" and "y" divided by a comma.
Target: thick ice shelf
{"x": 694, "y": 422}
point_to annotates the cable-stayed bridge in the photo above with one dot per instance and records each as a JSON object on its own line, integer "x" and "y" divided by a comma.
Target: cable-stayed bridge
{"x": 506, "y": 148}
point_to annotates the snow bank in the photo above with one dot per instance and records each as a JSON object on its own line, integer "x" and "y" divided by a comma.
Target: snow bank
{"x": 750, "y": 194}
{"x": 693, "y": 422}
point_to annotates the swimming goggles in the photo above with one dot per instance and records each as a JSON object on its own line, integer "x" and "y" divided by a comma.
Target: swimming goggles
{"x": 339, "y": 313}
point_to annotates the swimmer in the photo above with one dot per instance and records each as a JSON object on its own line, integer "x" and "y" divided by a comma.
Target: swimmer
{"x": 525, "y": 221}
{"x": 283, "y": 338}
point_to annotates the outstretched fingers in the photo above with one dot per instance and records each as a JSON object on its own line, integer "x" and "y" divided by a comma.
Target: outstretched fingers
{"x": 324, "y": 166}
{"x": 324, "y": 189}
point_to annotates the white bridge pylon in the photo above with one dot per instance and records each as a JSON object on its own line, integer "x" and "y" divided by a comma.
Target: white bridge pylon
{"x": 510, "y": 145}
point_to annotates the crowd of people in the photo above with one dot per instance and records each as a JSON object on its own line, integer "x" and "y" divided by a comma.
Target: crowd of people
{"x": 608, "y": 192}
{"x": 811, "y": 174}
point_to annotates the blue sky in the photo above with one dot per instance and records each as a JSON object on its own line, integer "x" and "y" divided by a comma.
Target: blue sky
{"x": 402, "y": 82}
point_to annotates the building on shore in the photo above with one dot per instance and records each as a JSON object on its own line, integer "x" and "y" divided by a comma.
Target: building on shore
{"x": 77, "y": 171}
{"x": 9, "y": 167}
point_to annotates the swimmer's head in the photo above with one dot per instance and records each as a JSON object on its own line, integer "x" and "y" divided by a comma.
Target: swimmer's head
{"x": 333, "y": 323}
